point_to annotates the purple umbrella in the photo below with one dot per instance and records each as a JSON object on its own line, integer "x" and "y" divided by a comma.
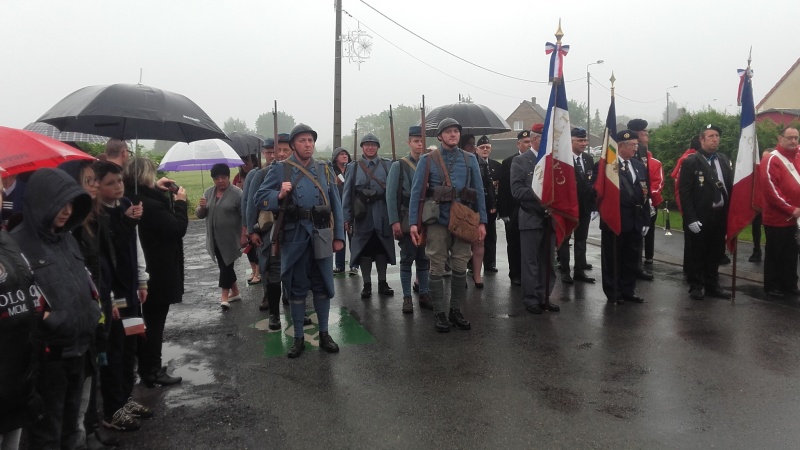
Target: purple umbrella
{"x": 199, "y": 155}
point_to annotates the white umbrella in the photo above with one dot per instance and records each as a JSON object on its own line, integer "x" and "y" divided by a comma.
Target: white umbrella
{"x": 199, "y": 155}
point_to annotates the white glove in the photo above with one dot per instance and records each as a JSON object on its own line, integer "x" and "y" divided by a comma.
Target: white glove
{"x": 645, "y": 230}
{"x": 505, "y": 219}
{"x": 694, "y": 227}
{"x": 595, "y": 215}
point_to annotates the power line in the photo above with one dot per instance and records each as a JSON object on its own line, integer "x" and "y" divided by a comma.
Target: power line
{"x": 449, "y": 52}
{"x": 616, "y": 94}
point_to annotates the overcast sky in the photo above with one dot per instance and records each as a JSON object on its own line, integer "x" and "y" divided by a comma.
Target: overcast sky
{"x": 234, "y": 57}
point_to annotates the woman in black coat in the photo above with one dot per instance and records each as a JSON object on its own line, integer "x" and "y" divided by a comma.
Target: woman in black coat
{"x": 161, "y": 230}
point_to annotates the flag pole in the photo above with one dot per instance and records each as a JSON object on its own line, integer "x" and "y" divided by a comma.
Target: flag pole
{"x": 615, "y": 256}
{"x": 753, "y": 164}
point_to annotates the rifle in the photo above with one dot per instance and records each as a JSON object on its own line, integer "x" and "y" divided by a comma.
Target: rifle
{"x": 420, "y": 227}
{"x": 391, "y": 131}
{"x": 277, "y": 227}
{"x": 275, "y": 125}
{"x": 355, "y": 142}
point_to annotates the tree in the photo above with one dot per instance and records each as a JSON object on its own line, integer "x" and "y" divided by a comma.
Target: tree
{"x": 598, "y": 125}
{"x": 161, "y": 147}
{"x": 674, "y": 113}
{"x": 236, "y": 124}
{"x": 378, "y": 124}
{"x": 265, "y": 124}
{"x": 577, "y": 114}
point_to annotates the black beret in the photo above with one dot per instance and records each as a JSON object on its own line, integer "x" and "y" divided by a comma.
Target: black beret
{"x": 625, "y": 135}
{"x": 578, "y": 132}
{"x": 414, "y": 130}
{"x": 637, "y": 125}
{"x": 482, "y": 141}
{"x": 712, "y": 127}
{"x": 523, "y": 134}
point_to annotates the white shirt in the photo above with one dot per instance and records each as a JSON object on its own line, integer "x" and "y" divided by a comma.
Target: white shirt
{"x": 630, "y": 168}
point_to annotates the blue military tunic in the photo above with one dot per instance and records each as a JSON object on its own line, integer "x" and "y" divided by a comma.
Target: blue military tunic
{"x": 377, "y": 218}
{"x": 398, "y": 168}
{"x": 297, "y": 247}
{"x": 462, "y": 174}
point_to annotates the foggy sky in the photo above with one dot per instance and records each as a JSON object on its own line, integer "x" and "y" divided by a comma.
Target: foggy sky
{"x": 233, "y": 58}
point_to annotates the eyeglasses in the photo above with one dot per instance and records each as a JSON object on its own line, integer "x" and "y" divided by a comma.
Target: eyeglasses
{"x": 90, "y": 181}
{"x": 485, "y": 147}
{"x": 791, "y": 138}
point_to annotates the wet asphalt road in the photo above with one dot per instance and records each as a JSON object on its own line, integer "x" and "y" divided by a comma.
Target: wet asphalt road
{"x": 669, "y": 373}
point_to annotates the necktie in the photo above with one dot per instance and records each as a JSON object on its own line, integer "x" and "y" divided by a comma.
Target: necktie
{"x": 628, "y": 172}
{"x": 579, "y": 164}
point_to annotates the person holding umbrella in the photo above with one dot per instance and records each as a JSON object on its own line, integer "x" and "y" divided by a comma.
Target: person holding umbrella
{"x": 161, "y": 229}
{"x": 221, "y": 207}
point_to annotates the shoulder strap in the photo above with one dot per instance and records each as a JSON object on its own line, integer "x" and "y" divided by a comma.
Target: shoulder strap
{"x": 789, "y": 166}
{"x": 409, "y": 163}
{"x": 371, "y": 175}
{"x": 310, "y": 176}
{"x": 437, "y": 155}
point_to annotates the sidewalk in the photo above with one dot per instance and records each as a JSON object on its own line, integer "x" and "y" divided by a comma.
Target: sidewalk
{"x": 669, "y": 250}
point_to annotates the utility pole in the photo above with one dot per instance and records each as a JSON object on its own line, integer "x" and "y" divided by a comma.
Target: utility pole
{"x": 337, "y": 79}
{"x": 671, "y": 87}
{"x": 589, "y": 97}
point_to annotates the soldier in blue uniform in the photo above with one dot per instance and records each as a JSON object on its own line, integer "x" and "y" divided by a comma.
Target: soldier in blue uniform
{"x": 308, "y": 230}
{"x": 365, "y": 214}
{"x": 465, "y": 179}
{"x": 398, "y": 196}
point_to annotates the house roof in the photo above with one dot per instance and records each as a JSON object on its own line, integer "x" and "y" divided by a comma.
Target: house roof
{"x": 779, "y": 83}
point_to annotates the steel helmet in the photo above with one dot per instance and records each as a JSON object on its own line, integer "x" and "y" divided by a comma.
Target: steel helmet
{"x": 301, "y": 128}
{"x": 369, "y": 137}
{"x": 447, "y": 123}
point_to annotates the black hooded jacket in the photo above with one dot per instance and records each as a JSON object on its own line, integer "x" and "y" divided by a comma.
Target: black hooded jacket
{"x": 56, "y": 260}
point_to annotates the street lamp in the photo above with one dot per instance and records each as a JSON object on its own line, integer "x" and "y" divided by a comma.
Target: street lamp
{"x": 589, "y": 97}
{"x": 671, "y": 87}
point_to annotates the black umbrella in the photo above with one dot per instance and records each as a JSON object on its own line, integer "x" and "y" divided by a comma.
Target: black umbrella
{"x": 131, "y": 111}
{"x": 474, "y": 118}
{"x": 244, "y": 143}
{"x": 50, "y": 131}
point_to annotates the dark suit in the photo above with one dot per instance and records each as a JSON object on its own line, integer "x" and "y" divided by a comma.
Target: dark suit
{"x": 536, "y": 234}
{"x": 584, "y": 177}
{"x": 508, "y": 206}
{"x": 698, "y": 190}
{"x": 490, "y": 173}
{"x": 621, "y": 253}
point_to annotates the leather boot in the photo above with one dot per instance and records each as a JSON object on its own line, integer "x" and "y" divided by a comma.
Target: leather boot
{"x": 297, "y": 348}
{"x": 458, "y": 320}
{"x": 442, "y": 325}
{"x": 408, "y": 305}
{"x": 366, "y": 292}
{"x": 264, "y": 305}
{"x": 326, "y": 342}
{"x": 384, "y": 289}
{"x": 274, "y": 322}
{"x": 425, "y": 301}
{"x": 164, "y": 379}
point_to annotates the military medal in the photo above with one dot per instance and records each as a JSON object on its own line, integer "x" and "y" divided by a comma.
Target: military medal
{"x": 701, "y": 178}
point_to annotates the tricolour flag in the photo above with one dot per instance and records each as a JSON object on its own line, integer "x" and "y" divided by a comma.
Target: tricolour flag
{"x": 744, "y": 205}
{"x": 607, "y": 184}
{"x": 557, "y": 53}
{"x": 554, "y": 176}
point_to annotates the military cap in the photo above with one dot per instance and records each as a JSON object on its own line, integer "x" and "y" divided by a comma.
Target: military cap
{"x": 711, "y": 127}
{"x": 269, "y": 143}
{"x": 523, "y": 134}
{"x": 626, "y": 135}
{"x": 447, "y": 123}
{"x": 537, "y": 128}
{"x": 637, "y": 125}
{"x": 283, "y": 137}
{"x": 482, "y": 141}
{"x": 369, "y": 137}
{"x": 414, "y": 130}
{"x": 578, "y": 132}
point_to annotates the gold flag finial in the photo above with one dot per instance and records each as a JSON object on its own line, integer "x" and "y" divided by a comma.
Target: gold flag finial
{"x": 559, "y": 33}
{"x": 749, "y": 58}
{"x": 612, "y": 80}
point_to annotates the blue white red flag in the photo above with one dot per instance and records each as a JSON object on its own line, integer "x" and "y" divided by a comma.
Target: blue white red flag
{"x": 607, "y": 184}
{"x": 744, "y": 204}
{"x": 554, "y": 175}
{"x": 557, "y": 53}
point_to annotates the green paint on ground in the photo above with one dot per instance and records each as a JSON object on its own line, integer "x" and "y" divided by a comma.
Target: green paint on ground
{"x": 343, "y": 327}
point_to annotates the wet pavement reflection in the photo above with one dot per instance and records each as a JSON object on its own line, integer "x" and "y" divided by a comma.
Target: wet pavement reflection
{"x": 669, "y": 373}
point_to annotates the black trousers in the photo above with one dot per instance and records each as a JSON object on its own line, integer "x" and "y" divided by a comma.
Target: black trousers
{"x": 116, "y": 379}
{"x": 490, "y": 243}
{"x": 780, "y": 258}
{"x": 227, "y": 276}
{"x": 619, "y": 254}
{"x": 650, "y": 239}
{"x": 60, "y": 386}
{"x": 756, "y": 226}
{"x": 581, "y": 234}
{"x": 706, "y": 249}
{"x": 149, "y": 346}
{"x": 513, "y": 247}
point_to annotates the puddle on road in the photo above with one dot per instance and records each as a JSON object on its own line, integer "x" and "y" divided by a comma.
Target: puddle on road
{"x": 195, "y": 370}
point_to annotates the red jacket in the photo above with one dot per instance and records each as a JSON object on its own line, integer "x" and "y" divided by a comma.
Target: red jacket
{"x": 676, "y": 174}
{"x": 656, "y": 179}
{"x": 779, "y": 189}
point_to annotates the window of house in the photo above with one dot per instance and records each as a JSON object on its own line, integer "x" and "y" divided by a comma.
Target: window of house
{"x": 517, "y": 125}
